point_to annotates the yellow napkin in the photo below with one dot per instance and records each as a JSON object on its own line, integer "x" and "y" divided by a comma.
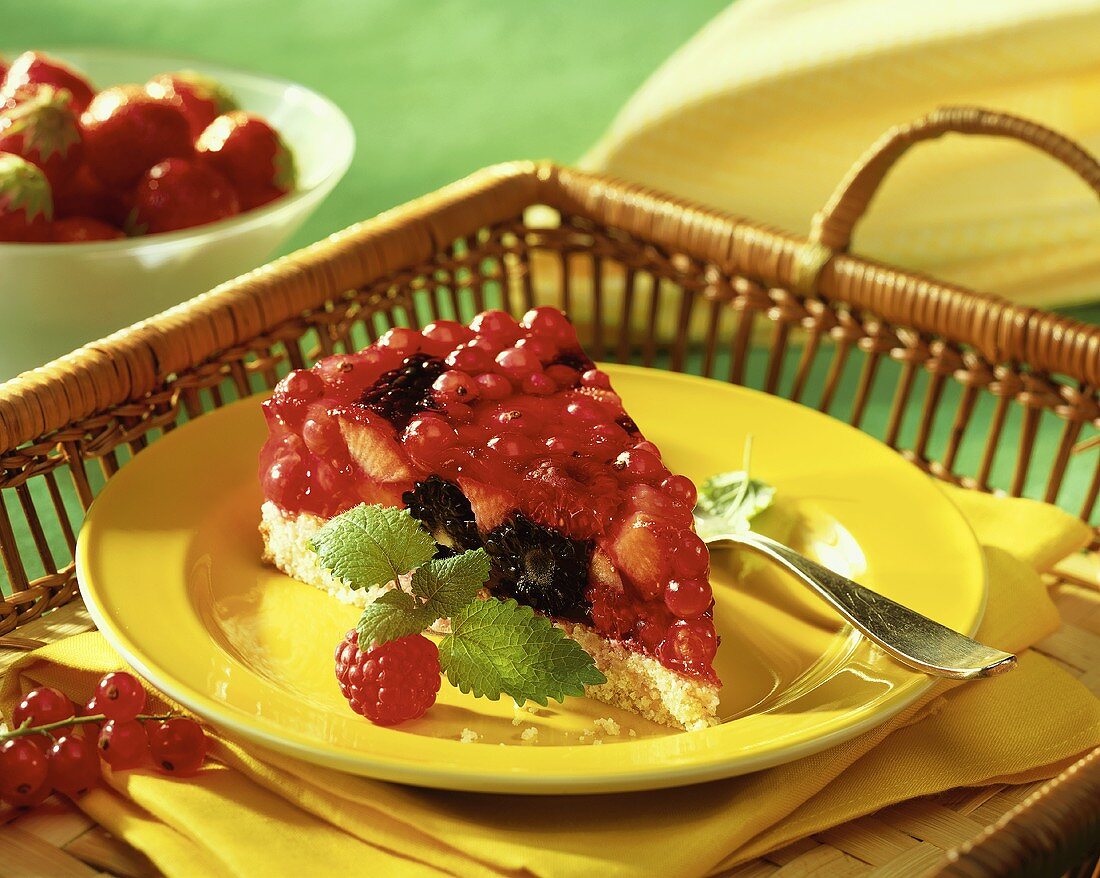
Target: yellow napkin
{"x": 258, "y": 813}
{"x": 763, "y": 111}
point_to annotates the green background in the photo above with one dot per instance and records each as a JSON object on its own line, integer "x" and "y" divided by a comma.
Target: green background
{"x": 438, "y": 88}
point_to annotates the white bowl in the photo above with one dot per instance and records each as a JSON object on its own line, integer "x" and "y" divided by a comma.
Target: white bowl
{"x": 56, "y": 297}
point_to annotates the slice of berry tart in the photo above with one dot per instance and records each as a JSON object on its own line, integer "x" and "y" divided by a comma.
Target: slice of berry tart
{"x": 505, "y": 435}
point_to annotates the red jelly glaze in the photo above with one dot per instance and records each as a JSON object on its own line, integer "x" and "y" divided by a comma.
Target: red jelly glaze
{"x": 515, "y": 412}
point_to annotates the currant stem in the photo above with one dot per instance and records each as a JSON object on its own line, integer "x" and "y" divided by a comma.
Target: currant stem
{"x": 27, "y": 729}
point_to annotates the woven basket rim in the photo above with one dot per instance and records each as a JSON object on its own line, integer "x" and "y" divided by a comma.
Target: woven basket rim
{"x": 143, "y": 356}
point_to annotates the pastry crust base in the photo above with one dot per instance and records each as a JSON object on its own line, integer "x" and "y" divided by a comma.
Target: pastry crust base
{"x": 635, "y": 682}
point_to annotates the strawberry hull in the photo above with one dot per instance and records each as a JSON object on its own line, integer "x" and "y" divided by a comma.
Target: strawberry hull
{"x": 505, "y": 435}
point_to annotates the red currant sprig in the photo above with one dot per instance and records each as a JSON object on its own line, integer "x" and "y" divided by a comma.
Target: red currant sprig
{"x": 54, "y": 745}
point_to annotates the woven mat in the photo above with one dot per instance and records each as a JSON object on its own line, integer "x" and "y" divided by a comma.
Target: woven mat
{"x": 898, "y": 842}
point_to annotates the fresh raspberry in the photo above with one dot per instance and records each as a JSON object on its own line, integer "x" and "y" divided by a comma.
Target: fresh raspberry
{"x": 390, "y": 683}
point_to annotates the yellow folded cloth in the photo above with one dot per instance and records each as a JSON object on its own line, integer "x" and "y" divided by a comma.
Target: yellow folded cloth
{"x": 255, "y": 813}
{"x": 763, "y": 111}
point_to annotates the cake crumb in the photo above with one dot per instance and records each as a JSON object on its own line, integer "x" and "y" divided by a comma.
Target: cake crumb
{"x": 523, "y": 711}
{"x": 607, "y": 725}
{"x": 529, "y": 735}
{"x": 468, "y": 736}
{"x": 632, "y": 733}
{"x": 597, "y": 742}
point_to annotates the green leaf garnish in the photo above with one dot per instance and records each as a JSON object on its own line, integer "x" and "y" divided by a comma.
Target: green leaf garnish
{"x": 736, "y": 497}
{"x": 446, "y": 585}
{"x": 495, "y": 647}
{"x": 392, "y": 616}
{"x": 372, "y": 545}
{"x": 500, "y": 647}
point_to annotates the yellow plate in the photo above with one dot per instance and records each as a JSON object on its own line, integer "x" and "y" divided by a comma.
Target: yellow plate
{"x": 169, "y": 564}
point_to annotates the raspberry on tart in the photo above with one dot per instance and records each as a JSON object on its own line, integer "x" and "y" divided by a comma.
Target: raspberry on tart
{"x": 505, "y": 435}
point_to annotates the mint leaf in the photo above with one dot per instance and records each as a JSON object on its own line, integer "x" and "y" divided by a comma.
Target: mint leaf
{"x": 500, "y": 647}
{"x": 372, "y": 545}
{"x": 446, "y": 585}
{"x": 392, "y": 616}
{"x": 736, "y": 498}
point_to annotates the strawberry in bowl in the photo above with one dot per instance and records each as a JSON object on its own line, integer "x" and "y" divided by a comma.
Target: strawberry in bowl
{"x": 122, "y": 241}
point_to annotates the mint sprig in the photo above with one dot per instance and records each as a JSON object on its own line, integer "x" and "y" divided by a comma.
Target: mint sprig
{"x": 500, "y": 647}
{"x": 392, "y": 616}
{"x": 446, "y": 585}
{"x": 736, "y": 497}
{"x": 494, "y": 648}
{"x": 372, "y": 545}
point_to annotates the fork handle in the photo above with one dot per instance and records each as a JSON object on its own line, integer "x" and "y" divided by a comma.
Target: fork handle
{"x": 911, "y": 638}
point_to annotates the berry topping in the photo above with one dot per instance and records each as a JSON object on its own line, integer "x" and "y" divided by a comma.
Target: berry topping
{"x": 539, "y": 384}
{"x": 455, "y": 386}
{"x": 445, "y": 335}
{"x": 391, "y": 683}
{"x": 640, "y": 466}
{"x": 497, "y": 327}
{"x": 541, "y": 568}
{"x": 688, "y": 598}
{"x": 575, "y": 359}
{"x": 400, "y": 393}
{"x": 689, "y": 645}
{"x": 429, "y": 439}
{"x": 551, "y": 324}
{"x": 690, "y": 556}
{"x": 517, "y": 363}
{"x": 596, "y": 378}
{"x": 445, "y": 512}
{"x": 681, "y": 488}
{"x": 493, "y": 387}
{"x": 470, "y": 359}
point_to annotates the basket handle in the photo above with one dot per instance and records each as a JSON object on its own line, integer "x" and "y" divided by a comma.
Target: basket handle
{"x": 831, "y": 230}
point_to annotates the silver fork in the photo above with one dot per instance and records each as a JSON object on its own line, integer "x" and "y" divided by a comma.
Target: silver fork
{"x": 911, "y": 638}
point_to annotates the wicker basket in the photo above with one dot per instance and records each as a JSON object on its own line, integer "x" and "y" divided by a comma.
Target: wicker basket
{"x": 657, "y": 281}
